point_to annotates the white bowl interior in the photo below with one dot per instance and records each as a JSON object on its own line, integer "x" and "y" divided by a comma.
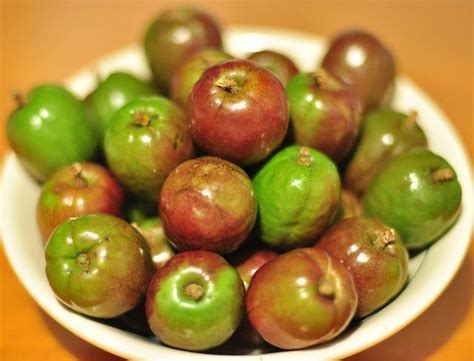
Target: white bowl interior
{"x": 430, "y": 271}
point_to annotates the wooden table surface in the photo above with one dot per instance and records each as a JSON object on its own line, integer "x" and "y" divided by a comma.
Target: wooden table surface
{"x": 44, "y": 41}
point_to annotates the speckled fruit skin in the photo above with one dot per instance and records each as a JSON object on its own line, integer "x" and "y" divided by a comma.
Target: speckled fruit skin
{"x": 110, "y": 95}
{"x": 362, "y": 61}
{"x": 189, "y": 320}
{"x": 238, "y": 112}
{"x": 49, "y": 130}
{"x": 385, "y": 134}
{"x": 247, "y": 266}
{"x": 146, "y": 140}
{"x": 208, "y": 203}
{"x": 189, "y": 72}
{"x": 176, "y": 35}
{"x": 98, "y": 265}
{"x": 325, "y": 113}
{"x": 418, "y": 194}
{"x": 76, "y": 190}
{"x": 302, "y": 298}
{"x": 374, "y": 254}
{"x": 298, "y": 192}
{"x": 152, "y": 230}
{"x": 283, "y": 67}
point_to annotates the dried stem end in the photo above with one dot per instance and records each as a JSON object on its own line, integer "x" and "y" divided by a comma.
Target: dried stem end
{"x": 305, "y": 157}
{"x": 442, "y": 175}
{"x": 228, "y": 85}
{"x": 195, "y": 291}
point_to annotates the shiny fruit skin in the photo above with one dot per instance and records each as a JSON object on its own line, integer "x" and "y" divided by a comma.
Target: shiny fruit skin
{"x": 176, "y": 35}
{"x": 238, "y": 111}
{"x": 112, "y": 94}
{"x": 146, "y": 140}
{"x": 283, "y": 67}
{"x": 79, "y": 189}
{"x": 302, "y": 298}
{"x": 189, "y": 72}
{"x": 362, "y": 61}
{"x": 325, "y": 113}
{"x": 152, "y": 230}
{"x": 98, "y": 265}
{"x": 418, "y": 194}
{"x": 374, "y": 254}
{"x": 208, "y": 203}
{"x": 385, "y": 134}
{"x": 49, "y": 130}
{"x": 298, "y": 193}
{"x": 195, "y": 319}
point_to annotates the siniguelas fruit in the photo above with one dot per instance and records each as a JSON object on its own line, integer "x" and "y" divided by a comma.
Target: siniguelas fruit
{"x": 418, "y": 194}
{"x": 385, "y": 134}
{"x": 49, "y": 130}
{"x": 298, "y": 193}
{"x": 110, "y": 95}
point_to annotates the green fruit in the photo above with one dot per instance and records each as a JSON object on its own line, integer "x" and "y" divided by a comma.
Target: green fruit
{"x": 145, "y": 141}
{"x": 49, "y": 130}
{"x": 418, "y": 194}
{"x": 386, "y": 133}
{"x": 112, "y": 94}
{"x": 298, "y": 194}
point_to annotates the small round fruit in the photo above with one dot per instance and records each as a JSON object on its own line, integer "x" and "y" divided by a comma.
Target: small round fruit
{"x": 302, "y": 298}
{"x": 50, "y": 130}
{"x": 208, "y": 203}
{"x": 418, "y": 194}
{"x": 79, "y": 189}
{"x": 374, "y": 254}
{"x": 190, "y": 71}
{"x": 176, "y": 35}
{"x": 362, "y": 61}
{"x": 98, "y": 265}
{"x": 325, "y": 113}
{"x": 195, "y": 301}
{"x": 145, "y": 141}
{"x": 298, "y": 194}
{"x": 283, "y": 67}
{"x": 152, "y": 230}
{"x": 238, "y": 112}
{"x": 112, "y": 94}
{"x": 385, "y": 134}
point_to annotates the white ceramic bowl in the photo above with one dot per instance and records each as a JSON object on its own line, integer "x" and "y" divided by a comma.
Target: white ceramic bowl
{"x": 430, "y": 271}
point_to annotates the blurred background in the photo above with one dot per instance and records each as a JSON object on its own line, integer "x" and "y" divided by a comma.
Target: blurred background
{"x": 47, "y": 40}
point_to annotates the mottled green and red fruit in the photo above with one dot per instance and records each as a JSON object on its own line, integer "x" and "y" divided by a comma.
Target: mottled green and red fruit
{"x": 98, "y": 265}
{"x": 298, "y": 192}
{"x": 110, "y": 95}
{"x": 152, "y": 230}
{"x": 176, "y": 35}
{"x": 208, "y": 203}
{"x": 189, "y": 72}
{"x": 283, "y": 67}
{"x": 79, "y": 189}
{"x": 302, "y": 298}
{"x": 374, "y": 254}
{"x": 49, "y": 130}
{"x": 145, "y": 141}
{"x": 238, "y": 111}
{"x": 418, "y": 194}
{"x": 195, "y": 301}
{"x": 385, "y": 134}
{"x": 361, "y": 60}
{"x": 325, "y": 113}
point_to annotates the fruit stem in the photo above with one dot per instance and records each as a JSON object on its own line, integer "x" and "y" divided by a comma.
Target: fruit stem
{"x": 442, "y": 175}
{"x": 83, "y": 260}
{"x": 326, "y": 287}
{"x": 79, "y": 176}
{"x": 305, "y": 157}
{"x": 18, "y": 98}
{"x": 411, "y": 120}
{"x": 194, "y": 291}
{"x": 321, "y": 79}
{"x": 384, "y": 238}
{"x": 228, "y": 85}
{"x": 141, "y": 119}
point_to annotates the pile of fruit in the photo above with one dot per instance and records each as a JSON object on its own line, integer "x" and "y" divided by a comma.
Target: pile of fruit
{"x": 255, "y": 201}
